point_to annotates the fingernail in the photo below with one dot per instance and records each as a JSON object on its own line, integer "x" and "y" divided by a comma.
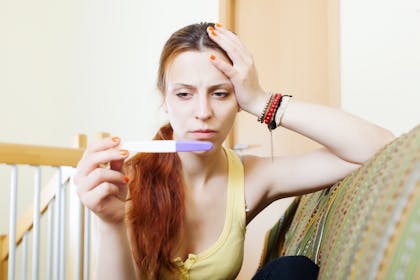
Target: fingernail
{"x": 115, "y": 139}
{"x": 212, "y": 57}
{"x": 213, "y": 33}
{"x": 218, "y": 25}
{"x": 211, "y": 28}
{"x": 126, "y": 179}
{"x": 124, "y": 153}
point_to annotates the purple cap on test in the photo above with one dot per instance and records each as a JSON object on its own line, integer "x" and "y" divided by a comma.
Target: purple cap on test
{"x": 192, "y": 146}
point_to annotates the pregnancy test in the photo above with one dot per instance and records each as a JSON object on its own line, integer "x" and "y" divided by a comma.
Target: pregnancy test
{"x": 166, "y": 146}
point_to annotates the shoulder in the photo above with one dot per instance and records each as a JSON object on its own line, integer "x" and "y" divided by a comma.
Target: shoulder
{"x": 257, "y": 183}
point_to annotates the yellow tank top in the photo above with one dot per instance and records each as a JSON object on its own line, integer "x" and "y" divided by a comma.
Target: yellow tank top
{"x": 223, "y": 259}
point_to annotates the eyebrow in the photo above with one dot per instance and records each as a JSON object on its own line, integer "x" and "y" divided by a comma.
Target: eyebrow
{"x": 226, "y": 86}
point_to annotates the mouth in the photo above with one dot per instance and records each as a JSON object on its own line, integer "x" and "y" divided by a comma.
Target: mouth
{"x": 204, "y": 131}
{"x": 201, "y": 134}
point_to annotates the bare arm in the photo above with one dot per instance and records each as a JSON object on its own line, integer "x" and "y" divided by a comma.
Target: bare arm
{"x": 348, "y": 140}
{"x": 104, "y": 192}
{"x": 114, "y": 260}
{"x": 346, "y": 136}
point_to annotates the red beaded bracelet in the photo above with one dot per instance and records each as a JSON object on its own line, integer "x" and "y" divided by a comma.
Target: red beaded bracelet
{"x": 273, "y": 107}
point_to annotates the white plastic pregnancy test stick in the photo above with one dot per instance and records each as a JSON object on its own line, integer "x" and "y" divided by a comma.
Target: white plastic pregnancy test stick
{"x": 166, "y": 146}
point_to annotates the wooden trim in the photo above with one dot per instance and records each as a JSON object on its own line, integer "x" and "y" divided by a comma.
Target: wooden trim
{"x": 39, "y": 155}
{"x": 227, "y": 19}
{"x": 3, "y": 262}
{"x": 80, "y": 141}
{"x": 102, "y": 135}
{"x": 4, "y": 250}
{"x": 227, "y": 13}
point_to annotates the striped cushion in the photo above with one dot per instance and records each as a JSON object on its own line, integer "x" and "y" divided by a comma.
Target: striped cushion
{"x": 364, "y": 227}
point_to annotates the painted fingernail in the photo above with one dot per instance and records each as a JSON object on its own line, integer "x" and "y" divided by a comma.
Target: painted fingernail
{"x": 211, "y": 28}
{"x": 213, "y": 33}
{"x": 126, "y": 179}
{"x": 212, "y": 57}
{"x": 115, "y": 139}
{"x": 124, "y": 153}
{"x": 218, "y": 25}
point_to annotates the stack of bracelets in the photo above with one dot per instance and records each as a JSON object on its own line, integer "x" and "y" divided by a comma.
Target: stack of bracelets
{"x": 274, "y": 110}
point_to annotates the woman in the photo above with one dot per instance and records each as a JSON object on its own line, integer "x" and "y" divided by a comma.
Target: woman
{"x": 186, "y": 213}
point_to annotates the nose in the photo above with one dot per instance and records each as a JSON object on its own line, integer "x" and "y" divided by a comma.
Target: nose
{"x": 204, "y": 110}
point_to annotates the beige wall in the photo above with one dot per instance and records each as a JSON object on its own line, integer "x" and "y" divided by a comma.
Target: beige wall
{"x": 295, "y": 48}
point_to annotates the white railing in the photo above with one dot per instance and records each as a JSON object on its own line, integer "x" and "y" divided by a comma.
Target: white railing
{"x": 65, "y": 254}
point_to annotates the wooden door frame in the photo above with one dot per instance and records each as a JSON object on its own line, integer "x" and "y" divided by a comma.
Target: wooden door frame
{"x": 227, "y": 17}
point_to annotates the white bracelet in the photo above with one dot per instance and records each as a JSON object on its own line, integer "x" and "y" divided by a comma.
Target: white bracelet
{"x": 279, "y": 114}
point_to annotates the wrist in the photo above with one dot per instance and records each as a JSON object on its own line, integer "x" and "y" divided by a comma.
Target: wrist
{"x": 257, "y": 106}
{"x": 106, "y": 228}
{"x": 274, "y": 109}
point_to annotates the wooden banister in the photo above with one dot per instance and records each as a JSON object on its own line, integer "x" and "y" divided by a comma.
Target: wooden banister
{"x": 3, "y": 264}
{"x": 66, "y": 158}
{"x": 39, "y": 155}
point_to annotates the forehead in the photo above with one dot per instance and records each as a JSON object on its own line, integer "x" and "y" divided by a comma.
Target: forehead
{"x": 195, "y": 68}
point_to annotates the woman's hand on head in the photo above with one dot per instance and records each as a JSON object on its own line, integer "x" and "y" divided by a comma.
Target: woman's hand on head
{"x": 242, "y": 73}
{"x": 100, "y": 189}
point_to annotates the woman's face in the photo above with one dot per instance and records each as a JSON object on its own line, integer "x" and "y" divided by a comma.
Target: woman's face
{"x": 199, "y": 99}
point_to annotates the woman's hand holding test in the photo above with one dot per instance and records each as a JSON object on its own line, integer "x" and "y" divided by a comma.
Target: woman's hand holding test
{"x": 100, "y": 189}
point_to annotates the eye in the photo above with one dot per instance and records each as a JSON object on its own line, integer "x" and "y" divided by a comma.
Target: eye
{"x": 183, "y": 95}
{"x": 220, "y": 94}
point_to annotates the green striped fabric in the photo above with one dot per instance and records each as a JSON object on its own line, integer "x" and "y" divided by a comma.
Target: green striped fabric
{"x": 367, "y": 226}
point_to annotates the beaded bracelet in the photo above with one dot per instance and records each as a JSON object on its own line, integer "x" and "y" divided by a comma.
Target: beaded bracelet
{"x": 280, "y": 112}
{"x": 272, "y": 124}
{"x": 273, "y": 108}
{"x": 264, "y": 112}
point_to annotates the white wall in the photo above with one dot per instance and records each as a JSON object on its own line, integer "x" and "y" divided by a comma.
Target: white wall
{"x": 380, "y": 61}
{"x": 69, "y": 67}
{"x": 82, "y": 66}
{"x": 85, "y": 66}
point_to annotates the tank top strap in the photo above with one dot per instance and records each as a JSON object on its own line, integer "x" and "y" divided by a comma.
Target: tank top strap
{"x": 236, "y": 190}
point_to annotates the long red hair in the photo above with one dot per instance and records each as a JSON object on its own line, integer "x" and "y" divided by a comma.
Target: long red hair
{"x": 157, "y": 208}
{"x": 156, "y": 214}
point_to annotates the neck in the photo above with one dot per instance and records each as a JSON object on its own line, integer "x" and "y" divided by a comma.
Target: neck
{"x": 198, "y": 168}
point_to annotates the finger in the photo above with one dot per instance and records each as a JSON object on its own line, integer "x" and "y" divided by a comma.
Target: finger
{"x": 231, "y": 44}
{"x": 219, "y": 29}
{"x": 94, "y": 160}
{"x": 99, "y": 176}
{"x": 226, "y": 44}
{"x": 93, "y": 199}
{"x": 223, "y": 66}
{"x": 103, "y": 144}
